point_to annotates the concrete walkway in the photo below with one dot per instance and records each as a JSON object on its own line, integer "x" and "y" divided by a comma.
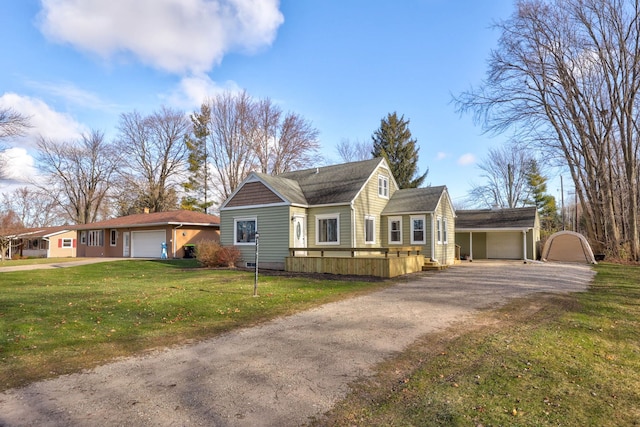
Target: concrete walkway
{"x": 63, "y": 264}
{"x": 288, "y": 370}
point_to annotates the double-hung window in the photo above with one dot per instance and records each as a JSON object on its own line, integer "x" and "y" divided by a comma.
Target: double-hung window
{"x": 383, "y": 186}
{"x": 395, "y": 230}
{"x": 417, "y": 230}
{"x": 439, "y": 229}
{"x": 369, "y": 229}
{"x": 244, "y": 231}
{"x": 327, "y": 229}
{"x": 95, "y": 238}
{"x": 67, "y": 243}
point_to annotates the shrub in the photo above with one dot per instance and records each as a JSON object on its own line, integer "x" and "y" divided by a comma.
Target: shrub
{"x": 207, "y": 253}
{"x": 228, "y": 256}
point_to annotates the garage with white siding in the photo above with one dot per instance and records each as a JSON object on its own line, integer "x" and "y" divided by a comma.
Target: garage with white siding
{"x": 147, "y": 244}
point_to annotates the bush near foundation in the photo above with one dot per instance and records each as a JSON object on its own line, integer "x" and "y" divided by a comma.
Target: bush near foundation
{"x": 209, "y": 253}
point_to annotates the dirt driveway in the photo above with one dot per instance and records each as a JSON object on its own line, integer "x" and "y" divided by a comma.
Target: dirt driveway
{"x": 285, "y": 371}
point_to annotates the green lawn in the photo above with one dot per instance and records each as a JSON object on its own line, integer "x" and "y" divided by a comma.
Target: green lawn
{"x": 554, "y": 360}
{"x": 59, "y": 321}
{"x": 34, "y": 261}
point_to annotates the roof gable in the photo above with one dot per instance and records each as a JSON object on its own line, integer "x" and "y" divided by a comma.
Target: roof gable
{"x": 334, "y": 184}
{"x": 497, "y": 218}
{"x": 413, "y": 200}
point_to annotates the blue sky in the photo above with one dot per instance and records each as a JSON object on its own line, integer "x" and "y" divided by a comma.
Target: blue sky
{"x": 76, "y": 65}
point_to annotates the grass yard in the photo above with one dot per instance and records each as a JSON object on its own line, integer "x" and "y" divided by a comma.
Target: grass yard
{"x": 33, "y": 261}
{"x": 60, "y": 321}
{"x": 570, "y": 360}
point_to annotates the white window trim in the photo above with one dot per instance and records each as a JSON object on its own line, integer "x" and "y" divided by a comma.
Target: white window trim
{"x": 424, "y": 230}
{"x": 327, "y": 216}
{"x": 235, "y": 230}
{"x": 371, "y": 218}
{"x": 439, "y": 230}
{"x": 392, "y": 219}
{"x": 383, "y": 190}
{"x": 113, "y": 237}
{"x": 67, "y": 243}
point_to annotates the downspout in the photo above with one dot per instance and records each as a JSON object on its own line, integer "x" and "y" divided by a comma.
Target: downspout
{"x": 471, "y": 246}
{"x": 524, "y": 246}
{"x": 353, "y": 225}
{"x": 174, "y": 240}
{"x": 434, "y": 236}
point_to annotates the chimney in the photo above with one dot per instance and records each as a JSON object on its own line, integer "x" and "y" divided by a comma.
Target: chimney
{"x": 146, "y": 210}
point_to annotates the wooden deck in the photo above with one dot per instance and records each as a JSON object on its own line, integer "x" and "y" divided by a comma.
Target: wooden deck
{"x": 379, "y": 262}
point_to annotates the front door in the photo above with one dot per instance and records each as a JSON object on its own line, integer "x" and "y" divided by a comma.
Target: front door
{"x": 125, "y": 244}
{"x": 299, "y": 234}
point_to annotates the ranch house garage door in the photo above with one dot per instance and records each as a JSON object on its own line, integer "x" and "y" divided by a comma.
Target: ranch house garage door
{"x": 147, "y": 244}
{"x": 505, "y": 245}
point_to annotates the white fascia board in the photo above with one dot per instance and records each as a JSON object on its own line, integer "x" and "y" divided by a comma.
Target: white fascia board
{"x": 484, "y": 230}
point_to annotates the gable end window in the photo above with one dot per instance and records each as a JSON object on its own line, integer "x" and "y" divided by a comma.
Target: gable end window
{"x": 328, "y": 229}
{"x": 417, "y": 230}
{"x": 369, "y": 229}
{"x": 244, "y": 231}
{"x": 395, "y": 230}
{"x": 383, "y": 186}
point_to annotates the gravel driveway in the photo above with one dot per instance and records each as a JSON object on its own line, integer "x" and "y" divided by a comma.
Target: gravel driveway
{"x": 284, "y": 371}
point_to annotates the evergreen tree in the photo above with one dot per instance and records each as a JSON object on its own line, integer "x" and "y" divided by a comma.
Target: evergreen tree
{"x": 196, "y": 186}
{"x": 545, "y": 203}
{"x": 393, "y": 141}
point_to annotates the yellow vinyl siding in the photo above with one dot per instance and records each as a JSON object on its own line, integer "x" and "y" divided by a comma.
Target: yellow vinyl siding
{"x": 344, "y": 232}
{"x": 369, "y": 203}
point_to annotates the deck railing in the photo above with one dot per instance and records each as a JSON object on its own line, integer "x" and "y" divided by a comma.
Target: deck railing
{"x": 387, "y": 252}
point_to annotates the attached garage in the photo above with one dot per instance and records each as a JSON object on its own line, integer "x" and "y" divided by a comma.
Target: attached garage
{"x": 147, "y": 244}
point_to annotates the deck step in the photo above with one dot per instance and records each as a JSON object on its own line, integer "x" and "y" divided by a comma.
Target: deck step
{"x": 432, "y": 265}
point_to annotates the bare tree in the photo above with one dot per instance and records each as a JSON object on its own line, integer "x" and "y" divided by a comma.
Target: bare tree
{"x": 354, "y": 151}
{"x": 566, "y": 76}
{"x": 12, "y": 124}
{"x": 80, "y": 174}
{"x": 282, "y": 142}
{"x": 155, "y": 156}
{"x": 505, "y": 172}
{"x": 10, "y": 225}
{"x": 243, "y": 135}
{"x": 33, "y": 206}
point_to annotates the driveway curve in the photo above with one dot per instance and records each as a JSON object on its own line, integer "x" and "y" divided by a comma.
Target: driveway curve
{"x": 285, "y": 371}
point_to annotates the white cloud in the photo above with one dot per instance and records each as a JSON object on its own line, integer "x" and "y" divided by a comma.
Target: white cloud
{"x": 466, "y": 159}
{"x": 20, "y": 165}
{"x": 179, "y": 36}
{"x": 441, "y": 155}
{"x": 193, "y": 90}
{"x": 43, "y": 119}
{"x": 73, "y": 94}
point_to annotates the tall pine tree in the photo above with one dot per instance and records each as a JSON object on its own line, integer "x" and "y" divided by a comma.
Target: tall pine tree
{"x": 544, "y": 202}
{"x": 197, "y": 196}
{"x": 393, "y": 141}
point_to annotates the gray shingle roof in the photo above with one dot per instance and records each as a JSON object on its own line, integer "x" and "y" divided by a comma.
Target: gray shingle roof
{"x": 410, "y": 200}
{"x": 329, "y": 184}
{"x": 496, "y": 218}
{"x": 287, "y": 188}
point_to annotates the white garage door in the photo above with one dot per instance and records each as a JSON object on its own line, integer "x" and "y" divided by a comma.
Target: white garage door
{"x": 147, "y": 244}
{"x": 507, "y": 245}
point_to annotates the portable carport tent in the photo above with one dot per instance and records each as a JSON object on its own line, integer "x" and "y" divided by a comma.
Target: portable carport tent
{"x": 568, "y": 246}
